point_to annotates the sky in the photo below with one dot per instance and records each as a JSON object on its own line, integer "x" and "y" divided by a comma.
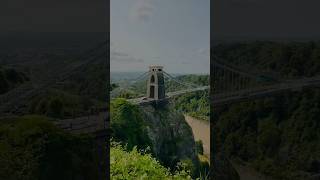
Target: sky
{"x": 266, "y": 19}
{"x": 53, "y": 16}
{"x": 171, "y": 33}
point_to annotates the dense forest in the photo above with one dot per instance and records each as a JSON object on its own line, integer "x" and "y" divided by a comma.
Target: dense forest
{"x": 282, "y": 59}
{"x": 33, "y": 148}
{"x": 278, "y": 135}
{"x": 63, "y": 105}
{"x": 31, "y": 145}
{"x": 11, "y": 78}
{"x": 195, "y": 104}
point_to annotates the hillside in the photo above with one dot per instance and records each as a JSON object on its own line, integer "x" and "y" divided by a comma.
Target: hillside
{"x": 11, "y": 78}
{"x": 161, "y": 131}
{"x": 277, "y": 135}
{"x": 72, "y": 86}
{"x": 33, "y": 148}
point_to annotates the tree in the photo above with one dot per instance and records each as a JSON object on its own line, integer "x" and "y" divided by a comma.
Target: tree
{"x": 56, "y": 108}
{"x": 127, "y": 124}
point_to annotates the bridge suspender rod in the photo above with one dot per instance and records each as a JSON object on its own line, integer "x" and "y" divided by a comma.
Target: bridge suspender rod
{"x": 218, "y": 63}
{"x": 141, "y": 76}
{"x": 185, "y": 84}
{"x": 171, "y": 78}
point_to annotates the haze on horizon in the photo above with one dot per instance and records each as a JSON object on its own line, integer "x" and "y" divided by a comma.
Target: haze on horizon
{"x": 171, "y": 33}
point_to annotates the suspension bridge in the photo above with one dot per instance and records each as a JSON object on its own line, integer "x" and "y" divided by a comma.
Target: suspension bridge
{"x": 232, "y": 84}
{"x": 15, "y": 101}
{"x": 229, "y": 84}
{"x": 156, "y": 92}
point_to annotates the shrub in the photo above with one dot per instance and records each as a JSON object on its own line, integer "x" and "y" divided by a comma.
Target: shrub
{"x": 199, "y": 147}
{"x": 127, "y": 125}
{"x": 135, "y": 165}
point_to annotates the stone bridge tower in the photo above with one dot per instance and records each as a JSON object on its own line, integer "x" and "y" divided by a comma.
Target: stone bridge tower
{"x": 155, "y": 85}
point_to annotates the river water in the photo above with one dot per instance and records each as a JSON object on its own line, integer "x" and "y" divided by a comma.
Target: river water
{"x": 201, "y": 131}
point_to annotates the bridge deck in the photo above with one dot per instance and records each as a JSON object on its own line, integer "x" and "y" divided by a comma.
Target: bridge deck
{"x": 146, "y": 101}
{"x": 84, "y": 125}
{"x": 293, "y": 85}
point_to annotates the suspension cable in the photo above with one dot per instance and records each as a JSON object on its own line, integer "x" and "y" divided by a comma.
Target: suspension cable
{"x": 141, "y": 76}
{"x": 175, "y": 79}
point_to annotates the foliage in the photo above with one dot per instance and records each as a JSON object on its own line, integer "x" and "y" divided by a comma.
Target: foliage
{"x": 136, "y": 165}
{"x": 204, "y": 167}
{"x": 56, "y": 107}
{"x": 289, "y": 59}
{"x": 33, "y": 148}
{"x": 90, "y": 82}
{"x": 127, "y": 125}
{"x": 113, "y": 86}
{"x": 195, "y": 104}
{"x": 277, "y": 134}
{"x": 10, "y": 78}
{"x": 58, "y": 104}
{"x": 199, "y": 147}
{"x": 199, "y": 80}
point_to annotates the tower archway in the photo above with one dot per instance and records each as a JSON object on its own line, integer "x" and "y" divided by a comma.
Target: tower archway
{"x": 152, "y": 79}
{"x": 155, "y": 85}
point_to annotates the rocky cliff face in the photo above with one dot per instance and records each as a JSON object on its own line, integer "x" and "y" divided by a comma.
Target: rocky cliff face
{"x": 223, "y": 169}
{"x": 171, "y": 136}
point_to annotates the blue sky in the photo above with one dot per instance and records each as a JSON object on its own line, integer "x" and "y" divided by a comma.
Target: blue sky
{"x": 172, "y": 33}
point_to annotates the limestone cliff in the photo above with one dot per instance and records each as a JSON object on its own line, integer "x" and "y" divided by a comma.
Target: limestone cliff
{"x": 223, "y": 169}
{"x": 171, "y": 136}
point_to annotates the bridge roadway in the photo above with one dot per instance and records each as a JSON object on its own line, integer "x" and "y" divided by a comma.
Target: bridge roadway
{"x": 146, "y": 101}
{"x": 94, "y": 123}
{"x": 90, "y": 124}
{"x": 247, "y": 94}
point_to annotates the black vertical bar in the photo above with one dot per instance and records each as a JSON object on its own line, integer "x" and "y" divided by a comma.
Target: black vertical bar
{"x": 107, "y": 122}
{"x": 213, "y": 79}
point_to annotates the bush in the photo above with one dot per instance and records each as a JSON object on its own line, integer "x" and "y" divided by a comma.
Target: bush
{"x": 135, "y": 165}
{"x": 199, "y": 147}
{"x": 127, "y": 124}
{"x": 56, "y": 108}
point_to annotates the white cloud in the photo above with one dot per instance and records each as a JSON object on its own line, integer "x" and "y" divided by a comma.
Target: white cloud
{"x": 203, "y": 51}
{"x": 122, "y": 57}
{"x": 142, "y": 10}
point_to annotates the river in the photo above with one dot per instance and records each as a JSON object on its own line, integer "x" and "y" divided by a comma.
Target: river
{"x": 201, "y": 131}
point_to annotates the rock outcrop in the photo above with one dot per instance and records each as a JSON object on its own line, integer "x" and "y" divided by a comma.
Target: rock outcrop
{"x": 222, "y": 168}
{"x": 171, "y": 136}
